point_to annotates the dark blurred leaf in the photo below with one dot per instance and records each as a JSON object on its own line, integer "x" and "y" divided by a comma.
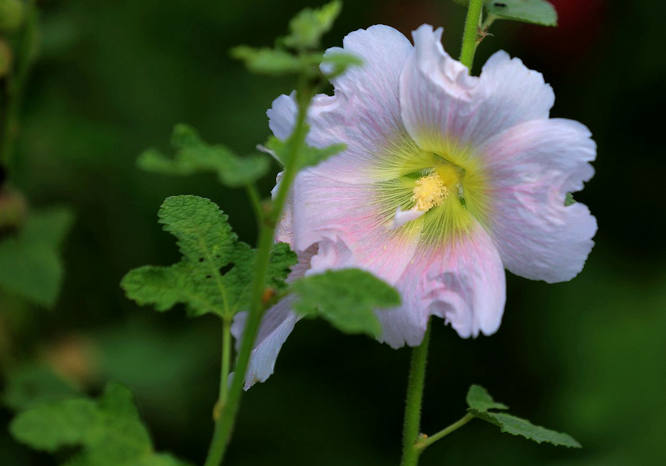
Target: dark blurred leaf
{"x": 526, "y": 11}
{"x": 311, "y": 155}
{"x": 307, "y": 27}
{"x": 215, "y": 273}
{"x": 32, "y": 385}
{"x": 30, "y": 263}
{"x": 346, "y": 298}
{"x": 480, "y": 402}
{"x": 109, "y": 430}
{"x": 269, "y": 61}
{"x": 193, "y": 155}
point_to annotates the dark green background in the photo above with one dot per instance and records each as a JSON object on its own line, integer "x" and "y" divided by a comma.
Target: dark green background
{"x": 587, "y": 357}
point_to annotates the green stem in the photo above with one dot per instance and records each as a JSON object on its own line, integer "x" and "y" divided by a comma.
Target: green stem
{"x": 424, "y": 443}
{"x": 14, "y": 85}
{"x": 412, "y": 423}
{"x": 255, "y": 200}
{"x": 470, "y": 33}
{"x": 225, "y": 422}
{"x": 225, "y": 363}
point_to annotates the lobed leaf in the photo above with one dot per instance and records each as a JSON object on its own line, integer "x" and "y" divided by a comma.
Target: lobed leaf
{"x": 311, "y": 155}
{"x": 527, "y": 11}
{"x": 109, "y": 430}
{"x": 31, "y": 385}
{"x": 517, "y": 426}
{"x": 30, "y": 261}
{"x": 480, "y": 403}
{"x": 309, "y": 25}
{"x": 215, "y": 272}
{"x": 193, "y": 155}
{"x": 346, "y": 298}
{"x": 480, "y": 400}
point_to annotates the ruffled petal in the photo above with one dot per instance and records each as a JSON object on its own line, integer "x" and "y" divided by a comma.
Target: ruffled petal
{"x": 276, "y": 326}
{"x": 532, "y": 167}
{"x": 364, "y": 113}
{"x": 462, "y": 282}
{"x": 443, "y": 106}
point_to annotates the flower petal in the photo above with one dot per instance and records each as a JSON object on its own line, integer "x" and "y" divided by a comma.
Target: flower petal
{"x": 462, "y": 282}
{"x": 532, "y": 167}
{"x": 347, "y": 214}
{"x": 364, "y": 113}
{"x": 443, "y": 105}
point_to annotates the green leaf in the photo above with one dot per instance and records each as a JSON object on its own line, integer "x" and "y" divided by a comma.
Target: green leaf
{"x": 307, "y": 27}
{"x": 336, "y": 63}
{"x": 310, "y": 156}
{"x": 30, "y": 262}
{"x": 480, "y": 400}
{"x": 569, "y": 200}
{"x": 215, "y": 273}
{"x": 527, "y": 11}
{"x": 345, "y": 298}
{"x": 193, "y": 155}
{"x": 109, "y": 430}
{"x": 480, "y": 403}
{"x": 269, "y": 61}
{"x": 516, "y": 426}
{"x": 32, "y": 385}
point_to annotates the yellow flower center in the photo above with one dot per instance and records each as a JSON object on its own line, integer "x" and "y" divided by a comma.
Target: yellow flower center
{"x": 429, "y": 192}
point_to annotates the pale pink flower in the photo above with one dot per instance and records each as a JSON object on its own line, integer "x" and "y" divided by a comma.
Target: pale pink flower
{"x": 447, "y": 180}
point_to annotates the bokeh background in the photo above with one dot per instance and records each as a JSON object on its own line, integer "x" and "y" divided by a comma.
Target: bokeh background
{"x": 587, "y": 357}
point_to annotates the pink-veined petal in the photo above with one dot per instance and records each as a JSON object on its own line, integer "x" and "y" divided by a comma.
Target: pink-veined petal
{"x": 531, "y": 168}
{"x": 462, "y": 282}
{"x": 443, "y": 106}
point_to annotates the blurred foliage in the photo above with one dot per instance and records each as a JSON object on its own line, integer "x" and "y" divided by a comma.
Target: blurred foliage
{"x": 114, "y": 77}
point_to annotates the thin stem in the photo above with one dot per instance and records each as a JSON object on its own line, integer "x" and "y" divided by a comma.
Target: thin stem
{"x": 470, "y": 33}
{"x": 412, "y": 423}
{"x": 255, "y": 200}
{"x": 225, "y": 422}
{"x": 226, "y": 362}
{"x": 425, "y": 442}
{"x": 14, "y": 86}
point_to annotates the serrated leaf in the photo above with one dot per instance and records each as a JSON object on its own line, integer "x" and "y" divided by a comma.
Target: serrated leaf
{"x": 193, "y": 155}
{"x": 480, "y": 400}
{"x": 346, "y": 298}
{"x": 30, "y": 262}
{"x": 307, "y": 27}
{"x": 311, "y": 155}
{"x": 269, "y": 61}
{"x": 569, "y": 200}
{"x": 32, "y": 385}
{"x": 109, "y": 430}
{"x": 517, "y": 426}
{"x": 527, "y": 11}
{"x": 215, "y": 273}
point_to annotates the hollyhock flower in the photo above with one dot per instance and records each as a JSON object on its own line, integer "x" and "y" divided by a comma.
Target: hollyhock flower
{"x": 447, "y": 179}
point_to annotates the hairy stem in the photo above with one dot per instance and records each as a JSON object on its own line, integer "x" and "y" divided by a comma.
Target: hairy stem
{"x": 423, "y": 443}
{"x": 225, "y": 422}
{"x": 225, "y": 363}
{"x": 14, "y": 84}
{"x": 412, "y": 422}
{"x": 470, "y": 33}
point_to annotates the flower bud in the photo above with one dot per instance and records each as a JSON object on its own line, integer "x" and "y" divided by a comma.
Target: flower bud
{"x": 11, "y": 15}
